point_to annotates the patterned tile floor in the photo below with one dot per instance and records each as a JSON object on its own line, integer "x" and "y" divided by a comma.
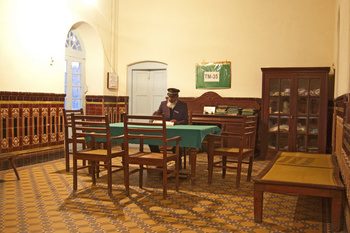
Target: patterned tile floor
{"x": 43, "y": 201}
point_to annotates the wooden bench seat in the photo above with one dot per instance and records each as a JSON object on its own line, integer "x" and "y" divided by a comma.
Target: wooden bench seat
{"x": 304, "y": 174}
{"x": 10, "y": 157}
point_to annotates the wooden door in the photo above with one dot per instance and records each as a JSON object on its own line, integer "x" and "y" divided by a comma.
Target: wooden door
{"x": 148, "y": 90}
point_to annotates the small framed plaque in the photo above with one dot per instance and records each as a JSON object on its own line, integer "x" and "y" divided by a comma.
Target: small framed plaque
{"x": 112, "y": 80}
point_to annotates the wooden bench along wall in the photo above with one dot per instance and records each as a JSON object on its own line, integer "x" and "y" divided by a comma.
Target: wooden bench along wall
{"x": 341, "y": 146}
{"x": 303, "y": 174}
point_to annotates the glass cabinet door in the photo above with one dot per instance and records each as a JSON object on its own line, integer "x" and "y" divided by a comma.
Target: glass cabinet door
{"x": 308, "y": 110}
{"x": 295, "y": 110}
{"x": 279, "y": 113}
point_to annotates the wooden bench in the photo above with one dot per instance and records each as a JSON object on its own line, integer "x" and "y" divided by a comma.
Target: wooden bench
{"x": 10, "y": 157}
{"x": 304, "y": 174}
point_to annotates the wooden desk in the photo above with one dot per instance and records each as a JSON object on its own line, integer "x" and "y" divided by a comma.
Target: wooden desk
{"x": 225, "y": 121}
{"x": 304, "y": 174}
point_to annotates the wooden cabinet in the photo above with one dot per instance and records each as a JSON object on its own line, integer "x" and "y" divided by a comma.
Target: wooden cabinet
{"x": 294, "y": 110}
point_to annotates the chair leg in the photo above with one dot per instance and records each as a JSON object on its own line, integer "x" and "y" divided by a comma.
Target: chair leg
{"x": 109, "y": 176}
{"x": 177, "y": 166}
{"x": 126, "y": 179}
{"x": 250, "y": 168}
{"x": 184, "y": 155}
{"x": 97, "y": 164}
{"x": 165, "y": 178}
{"x": 141, "y": 176}
{"x": 224, "y": 162}
{"x": 66, "y": 155}
{"x": 210, "y": 167}
{"x": 93, "y": 172}
{"x": 84, "y": 147}
{"x": 75, "y": 174}
{"x": 239, "y": 170}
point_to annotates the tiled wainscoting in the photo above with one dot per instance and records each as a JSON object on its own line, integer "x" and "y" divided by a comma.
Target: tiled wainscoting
{"x": 113, "y": 106}
{"x": 31, "y": 126}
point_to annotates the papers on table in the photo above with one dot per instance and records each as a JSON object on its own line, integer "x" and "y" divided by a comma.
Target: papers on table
{"x": 168, "y": 123}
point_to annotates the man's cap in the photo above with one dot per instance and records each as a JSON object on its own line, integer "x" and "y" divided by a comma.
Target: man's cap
{"x": 173, "y": 92}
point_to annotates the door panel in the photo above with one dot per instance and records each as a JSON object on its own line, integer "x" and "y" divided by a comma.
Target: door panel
{"x": 159, "y": 88}
{"x": 148, "y": 90}
{"x": 140, "y": 90}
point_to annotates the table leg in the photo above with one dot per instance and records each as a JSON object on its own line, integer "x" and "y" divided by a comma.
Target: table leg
{"x": 336, "y": 213}
{"x": 258, "y": 204}
{"x": 193, "y": 161}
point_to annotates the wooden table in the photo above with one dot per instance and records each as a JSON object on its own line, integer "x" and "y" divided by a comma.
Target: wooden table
{"x": 191, "y": 137}
{"x": 304, "y": 174}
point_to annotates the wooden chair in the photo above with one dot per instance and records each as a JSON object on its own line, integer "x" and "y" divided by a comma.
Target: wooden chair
{"x": 67, "y": 134}
{"x": 236, "y": 148}
{"x": 96, "y": 129}
{"x": 138, "y": 129}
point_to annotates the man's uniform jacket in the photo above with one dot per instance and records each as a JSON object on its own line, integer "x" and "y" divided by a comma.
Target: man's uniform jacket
{"x": 180, "y": 112}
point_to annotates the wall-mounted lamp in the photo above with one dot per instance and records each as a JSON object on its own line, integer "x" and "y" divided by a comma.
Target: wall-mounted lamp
{"x": 51, "y": 61}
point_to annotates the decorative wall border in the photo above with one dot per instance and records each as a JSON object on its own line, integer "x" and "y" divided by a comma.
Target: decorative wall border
{"x": 30, "y": 120}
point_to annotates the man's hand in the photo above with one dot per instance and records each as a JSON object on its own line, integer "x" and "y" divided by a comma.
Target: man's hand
{"x": 175, "y": 121}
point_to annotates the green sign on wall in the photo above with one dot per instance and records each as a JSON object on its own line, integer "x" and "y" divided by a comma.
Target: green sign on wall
{"x": 213, "y": 75}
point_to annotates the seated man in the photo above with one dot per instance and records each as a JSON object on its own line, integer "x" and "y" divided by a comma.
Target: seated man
{"x": 175, "y": 111}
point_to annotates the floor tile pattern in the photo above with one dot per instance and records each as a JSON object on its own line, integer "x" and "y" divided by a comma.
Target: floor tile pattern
{"x": 43, "y": 201}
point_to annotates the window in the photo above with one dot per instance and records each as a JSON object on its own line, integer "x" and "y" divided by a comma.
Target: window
{"x": 74, "y": 71}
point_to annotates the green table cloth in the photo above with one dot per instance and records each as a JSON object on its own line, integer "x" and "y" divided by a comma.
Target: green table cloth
{"x": 191, "y": 135}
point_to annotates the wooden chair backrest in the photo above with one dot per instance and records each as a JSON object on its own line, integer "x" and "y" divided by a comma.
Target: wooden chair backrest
{"x": 245, "y": 127}
{"x": 250, "y": 129}
{"x": 141, "y": 128}
{"x": 67, "y": 118}
{"x": 94, "y": 128}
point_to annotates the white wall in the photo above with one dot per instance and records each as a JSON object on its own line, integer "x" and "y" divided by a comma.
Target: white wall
{"x": 249, "y": 33}
{"x": 34, "y": 31}
{"x": 342, "y": 26}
